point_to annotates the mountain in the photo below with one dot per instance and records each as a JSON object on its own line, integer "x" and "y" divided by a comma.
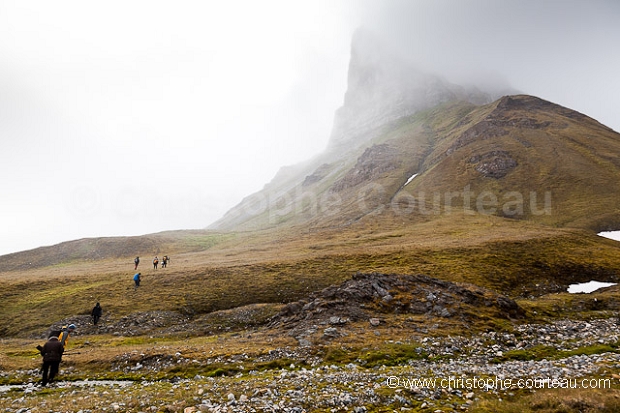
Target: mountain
{"x": 411, "y": 147}
{"x": 456, "y": 170}
{"x": 381, "y": 88}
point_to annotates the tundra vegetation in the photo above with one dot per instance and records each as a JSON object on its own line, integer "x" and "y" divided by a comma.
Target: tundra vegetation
{"x": 265, "y": 320}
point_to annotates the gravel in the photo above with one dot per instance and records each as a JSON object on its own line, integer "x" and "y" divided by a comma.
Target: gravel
{"x": 464, "y": 369}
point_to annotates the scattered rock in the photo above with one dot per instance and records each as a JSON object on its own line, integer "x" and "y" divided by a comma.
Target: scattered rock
{"x": 331, "y": 332}
{"x": 337, "y": 320}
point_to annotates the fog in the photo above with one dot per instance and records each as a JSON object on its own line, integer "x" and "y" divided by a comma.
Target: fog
{"x": 127, "y": 118}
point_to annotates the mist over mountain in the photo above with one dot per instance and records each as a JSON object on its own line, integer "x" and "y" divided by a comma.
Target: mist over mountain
{"x": 409, "y": 145}
{"x": 382, "y": 87}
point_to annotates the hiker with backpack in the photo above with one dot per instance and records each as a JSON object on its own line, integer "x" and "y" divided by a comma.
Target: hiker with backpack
{"x": 52, "y": 356}
{"x": 52, "y": 352}
{"x": 65, "y": 332}
{"x": 155, "y": 262}
{"x": 136, "y": 261}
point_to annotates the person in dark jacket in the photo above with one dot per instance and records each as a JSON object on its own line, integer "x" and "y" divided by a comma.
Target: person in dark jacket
{"x": 52, "y": 355}
{"x": 96, "y": 313}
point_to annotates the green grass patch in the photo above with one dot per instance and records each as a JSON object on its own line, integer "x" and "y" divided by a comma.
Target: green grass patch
{"x": 388, "y": 355}
{"x": 209, "y": 370}
{"x": 593, "y": 349}
{"x": 541, "y": 352}
{"x": 535, "y": 353}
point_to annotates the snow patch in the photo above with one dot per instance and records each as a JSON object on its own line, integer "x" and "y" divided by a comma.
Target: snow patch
{"x": 588, "y": 287}
{"x": 411, "y": 179}
{"x": 615, "y": 235}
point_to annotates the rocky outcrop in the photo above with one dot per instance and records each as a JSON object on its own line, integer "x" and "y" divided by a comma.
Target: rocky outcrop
{"x": 494, "y": 164}
{"x": 374, "y": 162}
{"x": 516, "y": 112}
{"x": 320, "y": 173}
{"x": 367, "y": 296}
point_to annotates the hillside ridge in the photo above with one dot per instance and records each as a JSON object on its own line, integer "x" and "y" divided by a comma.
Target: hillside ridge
{"x": 550, "y": 158}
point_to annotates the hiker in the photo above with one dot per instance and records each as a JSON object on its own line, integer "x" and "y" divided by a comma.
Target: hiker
{"x": 96, "y": 313}
{"x": 136, "y": 280}
{"x": 136, "y": 261}
{"x": 52, "y": 355}
{"x": 155, "y": 262}
{"x": 164, "y": 261}
{"x": 65, "y": 332}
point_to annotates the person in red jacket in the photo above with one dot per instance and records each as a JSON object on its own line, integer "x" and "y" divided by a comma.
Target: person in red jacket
{"x": 52, "y": 355}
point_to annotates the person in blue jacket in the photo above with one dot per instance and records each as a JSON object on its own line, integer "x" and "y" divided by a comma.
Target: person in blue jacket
{"x": 136, "y": 280}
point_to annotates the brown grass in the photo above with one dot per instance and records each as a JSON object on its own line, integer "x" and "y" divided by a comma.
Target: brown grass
{"x": 513, "y": 257}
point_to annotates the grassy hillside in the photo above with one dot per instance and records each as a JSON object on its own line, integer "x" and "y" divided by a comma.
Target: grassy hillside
{"x": 92, "y": 250}
{"x": 525, "y": 158}
{"x": 519, "y": 157}
{"x": 220, "y": 272}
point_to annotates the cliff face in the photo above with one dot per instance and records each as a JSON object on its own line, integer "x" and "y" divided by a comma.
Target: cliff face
{"x": 382, "y": 88}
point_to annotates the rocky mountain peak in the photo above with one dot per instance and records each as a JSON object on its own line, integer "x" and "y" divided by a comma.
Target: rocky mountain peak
{"x": 382, "y": 87}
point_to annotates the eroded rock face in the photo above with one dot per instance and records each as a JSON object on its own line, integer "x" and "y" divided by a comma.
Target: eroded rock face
{"x": 494, "y": 164}
{"x": 516, "y": 112}
{"x": 375, "y": 161}
{"x": 320, "y": 173}
{"x": 485, "y": 129}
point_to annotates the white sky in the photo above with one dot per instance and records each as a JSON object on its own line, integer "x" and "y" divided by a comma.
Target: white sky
{"x": 133, "y": 117}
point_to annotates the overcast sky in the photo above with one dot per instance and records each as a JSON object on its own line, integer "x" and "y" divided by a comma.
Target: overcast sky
{"x": 133, "y": 117}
